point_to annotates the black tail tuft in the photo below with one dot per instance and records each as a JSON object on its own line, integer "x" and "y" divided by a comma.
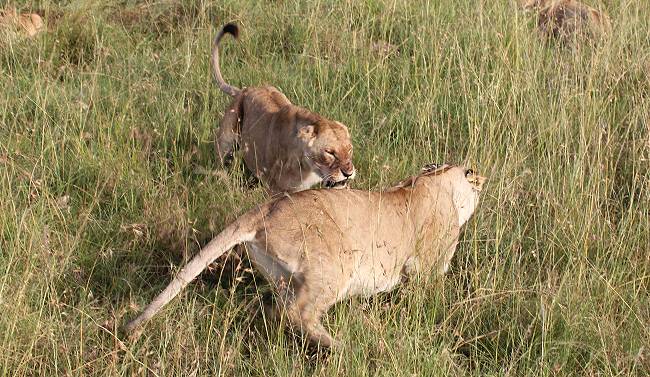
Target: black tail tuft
{"x": 232, "y": 29}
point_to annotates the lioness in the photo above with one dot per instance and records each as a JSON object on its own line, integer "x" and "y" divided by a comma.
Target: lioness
{"x": 30, "y": 23}
{"x": 288, "y": 147}
{"x": 319, "y": 247}
{"x": 565, "y": 19}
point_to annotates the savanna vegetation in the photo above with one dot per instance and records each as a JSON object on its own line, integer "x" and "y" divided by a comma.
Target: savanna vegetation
{"x": 108, "y": 182}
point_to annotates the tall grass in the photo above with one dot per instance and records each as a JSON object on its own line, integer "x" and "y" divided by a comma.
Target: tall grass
{"x": 107, "y": 183}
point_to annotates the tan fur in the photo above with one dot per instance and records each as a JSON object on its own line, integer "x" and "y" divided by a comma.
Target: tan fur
{"x": 30, "y": 23}
{"x": 567, "y": 19}
{"x": 319, "y": 247}
{"x": 286, "y": 146}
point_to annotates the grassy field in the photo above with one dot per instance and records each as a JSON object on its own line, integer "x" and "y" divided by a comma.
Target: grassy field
{"x": 108, "y": 183}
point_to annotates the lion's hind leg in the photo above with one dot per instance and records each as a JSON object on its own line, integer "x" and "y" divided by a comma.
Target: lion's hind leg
{"x": 305, "y": 313}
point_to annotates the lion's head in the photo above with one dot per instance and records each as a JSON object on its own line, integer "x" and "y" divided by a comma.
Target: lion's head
{"x": 467, "y": 186}
{"x": 328, "y": 149}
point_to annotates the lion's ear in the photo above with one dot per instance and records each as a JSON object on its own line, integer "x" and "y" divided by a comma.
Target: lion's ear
{"x": 307, "y": 133}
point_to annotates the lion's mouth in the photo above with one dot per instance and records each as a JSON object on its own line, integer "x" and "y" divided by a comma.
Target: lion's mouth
{"x": 340, "y": 184}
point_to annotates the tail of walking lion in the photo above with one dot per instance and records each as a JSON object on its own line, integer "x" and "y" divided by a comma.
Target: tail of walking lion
{"x": 233, "y": 30}
{"x": 233, "y": 235}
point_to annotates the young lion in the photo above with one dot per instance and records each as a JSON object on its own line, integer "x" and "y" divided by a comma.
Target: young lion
{"x": 30, "y": 23}
{"x": 565, "y": 19}
{"x": 319, "y": 247}
{"x": 288, "y": 147}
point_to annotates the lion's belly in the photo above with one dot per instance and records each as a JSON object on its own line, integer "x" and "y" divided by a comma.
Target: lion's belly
{"x": 371, "y": 284}
{"x": 374, "y": 275}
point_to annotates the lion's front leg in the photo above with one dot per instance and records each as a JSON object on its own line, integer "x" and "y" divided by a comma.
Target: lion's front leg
{"x": 228, "y": 131}
{"x": 445, "y": 258}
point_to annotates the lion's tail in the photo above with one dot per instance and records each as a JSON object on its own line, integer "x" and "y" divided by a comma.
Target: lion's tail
{"x": 233, "y": 30}
{"x": 233, "y": 235}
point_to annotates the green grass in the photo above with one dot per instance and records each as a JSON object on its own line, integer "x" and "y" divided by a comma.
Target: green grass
{"x": 106, "y": 130}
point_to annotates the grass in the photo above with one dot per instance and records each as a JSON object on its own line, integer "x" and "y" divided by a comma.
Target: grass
{"x": 106, "y": 161}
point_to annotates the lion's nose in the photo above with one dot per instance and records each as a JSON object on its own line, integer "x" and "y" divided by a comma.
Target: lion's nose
{"x": 347, "y": 173}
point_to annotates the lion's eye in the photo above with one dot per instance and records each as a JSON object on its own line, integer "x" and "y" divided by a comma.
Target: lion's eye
{"x": 469, "y": 172}
{"x": 330, "y": 153}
